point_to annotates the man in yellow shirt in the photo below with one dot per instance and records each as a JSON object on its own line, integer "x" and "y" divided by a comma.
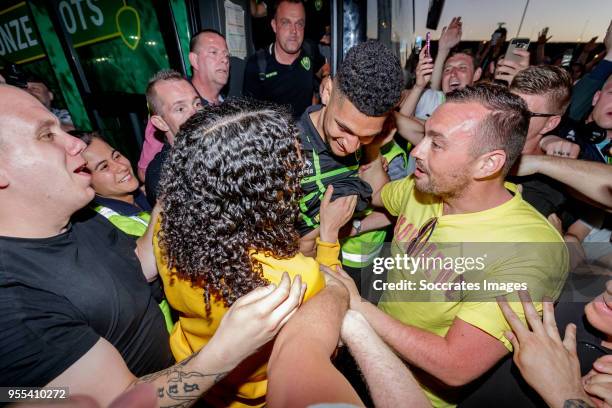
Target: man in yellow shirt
{"x": 441, "y": 315}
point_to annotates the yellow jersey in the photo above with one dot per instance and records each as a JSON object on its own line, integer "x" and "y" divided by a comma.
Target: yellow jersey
{"x": 247, "y": 384}
{"x": 512, "y": 247}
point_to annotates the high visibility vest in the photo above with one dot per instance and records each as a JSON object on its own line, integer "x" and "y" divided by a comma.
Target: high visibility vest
{"x": 135, "y": 225}
{"x": 317, "y": 194}
{"x": 359, "y": 251}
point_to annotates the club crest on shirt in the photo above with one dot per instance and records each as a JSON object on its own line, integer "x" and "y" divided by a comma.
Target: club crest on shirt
{"x": 305, "y": 63}
{"x": 308, "y": 170}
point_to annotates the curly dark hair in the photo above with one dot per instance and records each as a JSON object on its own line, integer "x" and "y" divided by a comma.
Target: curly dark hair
{"x": 230, "y": 186}
{"x": 370, "y": 76}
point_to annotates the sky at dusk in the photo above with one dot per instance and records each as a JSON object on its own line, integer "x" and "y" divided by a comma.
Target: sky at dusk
{"x": 568, "y": 20}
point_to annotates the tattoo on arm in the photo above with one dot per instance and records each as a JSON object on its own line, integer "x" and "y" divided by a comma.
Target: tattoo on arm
{"x": 182, "y": 388}
{"x": 576, "y": 403}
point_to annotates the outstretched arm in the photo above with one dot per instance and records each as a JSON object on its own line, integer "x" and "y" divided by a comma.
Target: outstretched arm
{"x": 462, "y": 355}
{"x": 249, "y": 324}
{"x": 300, "y": 372}
{"x": 390, "y": 382}
{"x": 550, "y": 365}
{"x": 409, "y": 128}
{"x": 572, "y": 173}
{"x": 450, "y": 37}
{"x": 424, "y": 69}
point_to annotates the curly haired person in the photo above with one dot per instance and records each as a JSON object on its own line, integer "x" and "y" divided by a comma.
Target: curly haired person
{"x": 343, "y": 141}
{"x": 230, "y": 199}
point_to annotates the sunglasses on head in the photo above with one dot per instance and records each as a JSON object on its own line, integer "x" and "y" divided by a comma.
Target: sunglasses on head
{"x": 417, "y": 243}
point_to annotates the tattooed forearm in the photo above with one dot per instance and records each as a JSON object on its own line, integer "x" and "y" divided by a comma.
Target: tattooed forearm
{"x": 181, "y": 385}
{"x": 151, "y": 377}
{"x": 576, "y": 403}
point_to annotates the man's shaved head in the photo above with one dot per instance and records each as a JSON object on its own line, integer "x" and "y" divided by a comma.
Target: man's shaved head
{"x": 12, "y": 102}
{"x": 42, "y": 177}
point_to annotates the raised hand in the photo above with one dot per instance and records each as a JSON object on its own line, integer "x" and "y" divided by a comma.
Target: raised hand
{"x": 542, "y": 38}
{"x": 334, "y": 214}
{"x": 424, "y": 69}
{"x": 256, "y": 318}
{"x": 451, "y": 35}
{"x": 548, "y": 364}
{"x": 590, "y": 46}
{"x": 506, "y": 69}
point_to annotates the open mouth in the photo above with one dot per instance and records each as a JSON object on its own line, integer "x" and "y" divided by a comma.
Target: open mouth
{"x": 604, "y": 303}
{"x": 454, "y": 85}
{"x": 419, "y": 165}
{"x": 341, "y": 146}
{"x": 125, "y": 179}
{"x": 607, "y": 301}
{"x": 82, "y": 170}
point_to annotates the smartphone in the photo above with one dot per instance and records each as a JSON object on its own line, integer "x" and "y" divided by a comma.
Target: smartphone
{"x": 418, "y": 44}
{"x": 567, "y": 58}
{"x": 427, "y": 44}
{"x": 545, "y": 32}
{"x": 516, "y": 44}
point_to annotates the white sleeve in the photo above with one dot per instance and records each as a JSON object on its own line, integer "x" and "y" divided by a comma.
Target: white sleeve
{"x": 428, "y": 102}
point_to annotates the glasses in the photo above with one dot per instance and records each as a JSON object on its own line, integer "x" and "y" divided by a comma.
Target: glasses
{"x": 541, "y": 115}
{"x": 422, "y": 237}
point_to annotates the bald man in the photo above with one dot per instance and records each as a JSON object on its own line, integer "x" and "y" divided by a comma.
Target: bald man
{"x": 77, "y": 309}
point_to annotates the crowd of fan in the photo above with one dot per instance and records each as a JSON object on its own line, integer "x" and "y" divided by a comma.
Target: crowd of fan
{"x": 229, "y": 267}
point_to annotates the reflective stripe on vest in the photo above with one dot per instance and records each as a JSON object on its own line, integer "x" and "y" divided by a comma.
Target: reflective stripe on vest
{"x": 356, "y": 258}
{"x": 391, "y": 150}
{"x": 359, "y": 251}
{"x": 132, "y": 225}
{"x": 165, "y": 309}
{"x": 318, "y": 178}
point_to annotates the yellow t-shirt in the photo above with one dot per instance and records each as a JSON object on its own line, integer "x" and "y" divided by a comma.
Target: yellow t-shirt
{"x": 515, "y": 245}
{"x": 247, "y": 384}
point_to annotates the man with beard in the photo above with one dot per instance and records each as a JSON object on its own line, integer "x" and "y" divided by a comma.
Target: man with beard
{"x": 449, "y": 326}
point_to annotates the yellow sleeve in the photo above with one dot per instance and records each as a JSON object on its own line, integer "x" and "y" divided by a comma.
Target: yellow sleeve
{"x": 394, "y": 194}
{"x": 328, "y": 253}
{"x": 301, "y": 265}
{"x": 488, "y": 317}
{"x": 540, "y": 277}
